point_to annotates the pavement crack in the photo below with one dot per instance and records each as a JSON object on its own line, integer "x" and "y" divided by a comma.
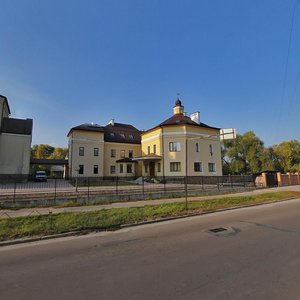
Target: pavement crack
{"x": 272, "y": 227}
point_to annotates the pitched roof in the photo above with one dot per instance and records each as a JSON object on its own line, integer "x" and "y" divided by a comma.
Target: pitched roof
{"x": 180, "y": 119}
{"x": 117, "y": 132}
{"x": 122, "y": 133}
{"x": 17, "y": 126}
{"x": 6, "y": 101}
{"x": 88, "y": 127}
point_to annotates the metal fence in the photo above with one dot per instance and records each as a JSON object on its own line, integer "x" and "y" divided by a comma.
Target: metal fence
{"x": 94, "y": 189}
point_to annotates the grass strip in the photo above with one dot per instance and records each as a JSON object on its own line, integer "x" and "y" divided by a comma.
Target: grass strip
{"x": 109, "y": 219}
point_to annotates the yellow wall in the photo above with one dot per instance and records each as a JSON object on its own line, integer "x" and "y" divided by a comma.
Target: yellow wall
{"x": 90, "y": 140}
{"x": 112, "y": 161}
{"x": 188, "y": 136}
{"x": 161, "y": 137}
{"x": 150, "y": 139}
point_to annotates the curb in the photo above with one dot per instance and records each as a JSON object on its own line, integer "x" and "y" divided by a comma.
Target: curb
{"x": 41, "y": 238}
{"x": 83, "y": 232}
{"x": 202, "y": 213}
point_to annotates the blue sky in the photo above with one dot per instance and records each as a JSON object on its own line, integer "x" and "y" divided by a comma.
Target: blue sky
{"x": 67, "y": 62}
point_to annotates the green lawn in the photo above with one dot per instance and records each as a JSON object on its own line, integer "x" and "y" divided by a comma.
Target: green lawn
{"x": 109, "y": 219}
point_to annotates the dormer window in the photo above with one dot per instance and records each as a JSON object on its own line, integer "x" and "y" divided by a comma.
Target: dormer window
{"x": 112, "y": 134}
{"x": 122, "y": 135}
{"x": 130, "y": 136}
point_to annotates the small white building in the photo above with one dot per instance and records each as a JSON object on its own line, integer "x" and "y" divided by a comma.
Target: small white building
{"x": 15, "y": 143}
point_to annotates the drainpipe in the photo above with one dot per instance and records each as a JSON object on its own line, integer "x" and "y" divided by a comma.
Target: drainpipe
{"x": 163, "y": 152}
{"x": 71, "y": 159}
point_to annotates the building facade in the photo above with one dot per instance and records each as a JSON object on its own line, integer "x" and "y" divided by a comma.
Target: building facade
{"x": 104, "y": 151}
{"x": 179, "y": 146}
{"x": 15, "y": 143}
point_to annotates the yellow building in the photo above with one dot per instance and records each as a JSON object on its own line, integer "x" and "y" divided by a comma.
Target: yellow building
{"x": 181, "y": 146}
{"x": 15, "y": 143}
{"x": 104, "y": 151}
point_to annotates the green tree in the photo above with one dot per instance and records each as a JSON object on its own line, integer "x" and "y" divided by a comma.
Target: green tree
{"x": 47, "y": 152}
{"x": 41, "y": 151}
{"x": 243, "y": 154}
{"x": 288, "y": 156}
{"x": 269, "y": 160}
{"x": 59, "y": 153}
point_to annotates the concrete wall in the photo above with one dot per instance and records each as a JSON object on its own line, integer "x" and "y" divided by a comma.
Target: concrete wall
{"x": 288, "y": 179}
{"x": 15, "y": 154}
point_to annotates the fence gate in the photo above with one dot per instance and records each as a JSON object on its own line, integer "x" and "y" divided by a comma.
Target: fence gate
{"x": 271, "y": 180}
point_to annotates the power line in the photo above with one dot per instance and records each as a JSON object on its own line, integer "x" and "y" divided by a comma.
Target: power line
{"x": 287, "y": 61}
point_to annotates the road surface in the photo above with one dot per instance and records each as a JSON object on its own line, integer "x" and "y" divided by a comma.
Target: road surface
{"x": 257, "y": 256}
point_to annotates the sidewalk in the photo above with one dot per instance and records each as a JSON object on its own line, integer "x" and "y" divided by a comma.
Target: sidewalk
{"x": 6, "y": 213}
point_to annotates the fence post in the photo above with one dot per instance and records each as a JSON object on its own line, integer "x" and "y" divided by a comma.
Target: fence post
{"x": 15, "y": 187}
{"x": 50, "y": 220}
{"x": 55, "y": 184}
{"x": 218, "y": 182}
{"x": 231, "y": 183}
{"x": 116, "y": 185}
{"x": 202, "y": 183}
{"x": 76, "y": 183}
{"x": 143, "y": 186}
{"x": 88, "y": 186}
{"x": 186, "y": 193}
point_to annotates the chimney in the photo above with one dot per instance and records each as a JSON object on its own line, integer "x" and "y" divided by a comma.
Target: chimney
{"x": 196, "y": 117}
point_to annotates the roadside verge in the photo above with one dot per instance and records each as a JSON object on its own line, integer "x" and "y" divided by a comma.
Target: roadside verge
{"x": 34, "y": 228}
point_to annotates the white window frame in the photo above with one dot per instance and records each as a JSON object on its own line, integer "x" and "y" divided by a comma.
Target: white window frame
{"x": 113, "y": 153}
{"x": 96, "y": 151}
{"x": 200, "y": 166}
{"x": 129, "y": 169}
{"x": 96, "y": 168}
{"x": 211, "y": 167}
{"x": 175, "y": 166}
{"x": 174, "y": 146}
{"x": 112, "y": 169}
{"x": 81, "y": 151}
{"x": 81, "y": 169}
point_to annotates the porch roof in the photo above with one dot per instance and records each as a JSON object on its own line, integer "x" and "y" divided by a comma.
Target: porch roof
{"x": 148, "y": 157}
{"x": 126, "y": 160}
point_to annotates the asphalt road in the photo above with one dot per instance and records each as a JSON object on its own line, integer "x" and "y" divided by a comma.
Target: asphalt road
{"x": 257, "y": 257}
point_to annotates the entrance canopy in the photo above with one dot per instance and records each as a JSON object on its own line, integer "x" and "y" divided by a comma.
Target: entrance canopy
{"x": 149, "y": 157}
{"x": 126, "y": 160}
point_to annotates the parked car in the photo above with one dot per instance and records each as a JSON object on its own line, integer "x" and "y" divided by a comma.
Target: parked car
{"x": 40, "y": 176}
